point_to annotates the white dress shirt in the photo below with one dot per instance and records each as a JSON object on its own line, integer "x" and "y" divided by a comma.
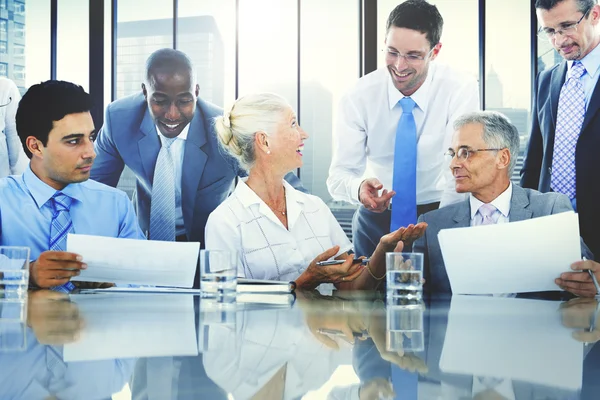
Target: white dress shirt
{"x": 365, "y": 133}
{"x": 13, "y": 159}
{"x": 266, "y": 249}
{"x": 177, "y": 149}
{"x": 502, "y": 204}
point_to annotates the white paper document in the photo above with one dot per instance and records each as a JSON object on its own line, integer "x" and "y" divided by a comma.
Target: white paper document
{"x": 518, "y": 257}
{"x": 129, "y": 326}
{"x": 520, "y": 339}
{"x": 137, "y": 262}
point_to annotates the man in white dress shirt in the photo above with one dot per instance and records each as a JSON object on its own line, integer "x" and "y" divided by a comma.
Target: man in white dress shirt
{"x": 362, "y": 168}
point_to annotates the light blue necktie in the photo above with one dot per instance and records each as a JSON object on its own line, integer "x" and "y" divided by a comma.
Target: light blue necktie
{"x": 405, "y": 383}
{"x": 569, "y": 119}
{"x": 60, "y": 226}
{"x": 162, "y": 207}
{"x": 404, "y": 207}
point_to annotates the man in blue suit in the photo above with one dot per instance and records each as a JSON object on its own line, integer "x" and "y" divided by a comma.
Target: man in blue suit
{"x": 135, "y": 128}
{"x": 565, "y": 133}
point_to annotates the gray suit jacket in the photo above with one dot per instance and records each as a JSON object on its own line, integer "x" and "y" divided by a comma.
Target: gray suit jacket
{"x": 525, "y": 204}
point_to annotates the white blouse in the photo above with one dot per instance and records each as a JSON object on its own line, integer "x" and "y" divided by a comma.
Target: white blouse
{"x": 13, "y": 160}
{"x": 266, "y": 249}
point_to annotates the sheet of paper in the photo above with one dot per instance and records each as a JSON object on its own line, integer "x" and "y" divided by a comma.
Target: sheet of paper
{"x": 512, "y": 338}
{"x": 144, "y": 289}
{"x": 129, "y": 326}
{"x": 517, "y": 257}
{"x": 138, "y": 262}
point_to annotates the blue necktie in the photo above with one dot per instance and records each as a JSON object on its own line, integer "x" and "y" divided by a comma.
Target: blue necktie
{"x": 404, "y": 383}
{"x": 60, "y": 226}
{"x": 404, "y": 209}
{"x": 162, "y": 206}
{"x": 569, "y": 119}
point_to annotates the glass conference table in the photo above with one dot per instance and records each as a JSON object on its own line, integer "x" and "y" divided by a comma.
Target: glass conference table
{"x": 346, "y": 346}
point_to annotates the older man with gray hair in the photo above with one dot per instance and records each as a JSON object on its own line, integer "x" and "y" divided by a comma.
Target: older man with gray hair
{"x": 482, "y": 158}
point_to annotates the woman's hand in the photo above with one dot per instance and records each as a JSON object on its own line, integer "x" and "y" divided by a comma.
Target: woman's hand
{"x": 315, "y": 274}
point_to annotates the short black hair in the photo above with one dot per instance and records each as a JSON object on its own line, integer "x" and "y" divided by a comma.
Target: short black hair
{"x": 420, "y": 16}
{"x": 582, "y": 5}
{"x": 45, "y": 103}
{"x": 169, "y": 61}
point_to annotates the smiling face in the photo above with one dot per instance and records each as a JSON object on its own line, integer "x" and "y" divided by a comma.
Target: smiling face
{"x": 172, "y": 101}
{"x": 69, "y": 153}
{"x": 483, "y": 173}
{"x": 287, "y": 144}
{"x": 408, "y": 77}
{"x": 580, "y": 41}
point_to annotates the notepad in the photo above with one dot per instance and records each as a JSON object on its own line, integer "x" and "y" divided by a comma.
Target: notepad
{"x": 263, "y": 286}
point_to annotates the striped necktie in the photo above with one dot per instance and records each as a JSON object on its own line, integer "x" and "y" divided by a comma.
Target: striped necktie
{"x": 162, "y": 207}
{"x": 569, "y": 119}
{"x": 60, "y": 226}
{"x": 404, "y": 208}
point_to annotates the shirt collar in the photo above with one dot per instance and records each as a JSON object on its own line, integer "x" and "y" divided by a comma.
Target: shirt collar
{"x": 591, "y": 62}
{"x": 420, "y": 96}
{"x": 183, "y": 135}
{"x": 502, "y": 202}
{"x": 248, "y": 197}
{"x": 41, "y": 192}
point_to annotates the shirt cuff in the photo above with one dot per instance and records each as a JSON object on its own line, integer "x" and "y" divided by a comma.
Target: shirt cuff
{"x": 354, "y": 188}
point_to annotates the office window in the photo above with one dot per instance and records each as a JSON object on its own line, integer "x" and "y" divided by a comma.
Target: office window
{"x": 73, "y": 33}
{"x": 460, "y": 35}
{"x": 19, "y": 72}
{"x": 3, "y": 47}
{"x": 18, "y": 49}
{"x": 19, "y": 31}
{"x": 508, "y": 83}
{"x": 3, "y": 29}
{"x": 140, "y": 31}
{"x": 268, "y": 48}
{"x": 329, "y": 67}
{"x": 19, "y": 8}
{"x": 37, "y": 43}
{"x": 206, "y": 33}
{"x": 4, "y": 69}
{"x": 2, "y": 4}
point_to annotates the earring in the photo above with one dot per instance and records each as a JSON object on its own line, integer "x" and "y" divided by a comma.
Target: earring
{"x": 268, "y": 151}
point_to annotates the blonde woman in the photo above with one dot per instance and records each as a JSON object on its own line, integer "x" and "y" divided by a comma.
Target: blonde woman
{"x": 281, "y": 233}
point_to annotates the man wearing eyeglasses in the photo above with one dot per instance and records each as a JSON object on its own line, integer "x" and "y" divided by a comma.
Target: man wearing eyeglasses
{"x": 482, "y": 157}
{"x": 562, "y": 155}
{"x": 394, "y": 125}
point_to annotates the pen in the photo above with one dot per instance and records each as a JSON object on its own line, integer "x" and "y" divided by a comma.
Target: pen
{"x": 337, "y": 262}
{"x": 593, "y": 279}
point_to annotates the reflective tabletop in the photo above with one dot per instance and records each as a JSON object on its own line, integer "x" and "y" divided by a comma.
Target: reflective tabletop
{"x": 308, "y": 346}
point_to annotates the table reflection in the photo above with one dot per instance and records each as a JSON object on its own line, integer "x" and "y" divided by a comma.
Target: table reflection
{"x": 345, "y": 346}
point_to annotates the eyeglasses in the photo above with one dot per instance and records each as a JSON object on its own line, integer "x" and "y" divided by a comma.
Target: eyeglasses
{"x": 464, "y": 153}
{"x": 567, "y": 29}
{"x": 410, "y": 58}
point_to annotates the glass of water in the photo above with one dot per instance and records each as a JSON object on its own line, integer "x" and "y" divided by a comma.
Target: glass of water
{"x": 14, "y": 271}
{"x": 404, "y": 326}
{"x": 218, "y": 273}
{"x": 404, "y": 274}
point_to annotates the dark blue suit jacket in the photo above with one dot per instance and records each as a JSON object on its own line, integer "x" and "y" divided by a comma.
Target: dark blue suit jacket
{"x": 129, "y": 137}
{"x": 537, "y": 166}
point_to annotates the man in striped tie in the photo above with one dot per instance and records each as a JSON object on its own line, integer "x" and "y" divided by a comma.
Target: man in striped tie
{"x": 54, "y": 196}
{"x": 482, "y": 157}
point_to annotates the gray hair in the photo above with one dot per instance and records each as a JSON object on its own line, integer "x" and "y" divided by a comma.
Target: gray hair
{"x": 237, "y": 128}
{"x": 498, "y": 132}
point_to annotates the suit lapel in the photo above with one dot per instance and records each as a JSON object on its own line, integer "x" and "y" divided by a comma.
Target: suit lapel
{"x": 462, "y": 217}
{"x": 519, "y": 203}
{"x": 558, "y": 78}
{"x": 148, "y": 145}
{"x": 194, "y": 160}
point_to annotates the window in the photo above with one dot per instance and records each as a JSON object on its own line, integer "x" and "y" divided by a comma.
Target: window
{"x": 3, "y": 29}
{"x": 19, "y": 8}
{"x": 3, "y": 47}
{"x": 18, "y": 49}
{"x": 2, "y": 4}
{"x": 19, "y": 30}
{"x": 73, "y": 33}
{"x": 4, "y": 69}
{"x": 37, "y": 44}
{"x": 19, "y": 72}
